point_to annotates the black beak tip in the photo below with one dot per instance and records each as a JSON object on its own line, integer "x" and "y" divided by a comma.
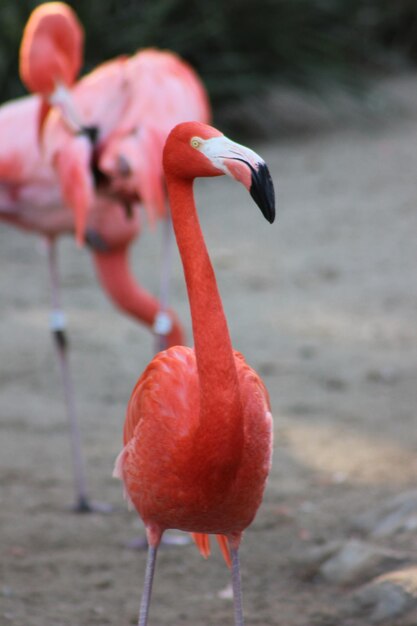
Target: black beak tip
{"x": 262, "y": 191}
{"x": 271, "y": 213}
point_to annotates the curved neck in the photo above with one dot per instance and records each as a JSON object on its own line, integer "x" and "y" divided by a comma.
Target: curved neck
{"x": 116, "y": 278}
{"x": 219, "y": 387}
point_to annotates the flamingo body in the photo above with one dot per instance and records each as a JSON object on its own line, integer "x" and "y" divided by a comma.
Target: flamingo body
{"x": 125, "y": 110}
{"x": 171, "y": 469}
{"x": 30, "y": 196}
{"x": 31, "y": 199}
{"x": 133, "y": 102}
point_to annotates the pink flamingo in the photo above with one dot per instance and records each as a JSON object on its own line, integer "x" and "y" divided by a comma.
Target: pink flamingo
{"x": 107, "y": 132}
{"x": 198, "y": 430}
{"x": 30, "y": 199}
{"x": 104, "y": 135}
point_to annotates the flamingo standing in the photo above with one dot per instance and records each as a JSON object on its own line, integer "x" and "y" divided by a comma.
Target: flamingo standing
{"x": 198, "y": 430}
{"x": 30, "y": 199}
{"x": 105, "y": 135}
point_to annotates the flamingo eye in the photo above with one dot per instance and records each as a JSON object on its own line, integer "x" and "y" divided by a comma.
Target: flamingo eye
{"x": 196, "y": 142}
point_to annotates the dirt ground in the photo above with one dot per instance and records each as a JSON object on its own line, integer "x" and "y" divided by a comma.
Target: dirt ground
{"x": 323, "y": 304}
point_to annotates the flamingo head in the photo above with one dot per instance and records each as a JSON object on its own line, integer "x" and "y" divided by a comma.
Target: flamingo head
{"x": 194, "y": 149}
{"x": 51, "y": 53}
{"x": 51, "y": 48}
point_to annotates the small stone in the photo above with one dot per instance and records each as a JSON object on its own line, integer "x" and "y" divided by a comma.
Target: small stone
{"x": 226, "y": 593}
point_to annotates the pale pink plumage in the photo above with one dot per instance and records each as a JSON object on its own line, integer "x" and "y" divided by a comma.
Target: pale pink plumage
{"x": 31, "y": 200}
{"x": 133, "y": 103}
{"x": 27, "y": 182}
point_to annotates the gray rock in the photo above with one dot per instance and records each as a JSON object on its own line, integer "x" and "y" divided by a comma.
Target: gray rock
{"x": 309, "y": 561}
{"x": 390, "y": 596}
{"x": 357, "y": 560}
{"x": 398, "y": 514}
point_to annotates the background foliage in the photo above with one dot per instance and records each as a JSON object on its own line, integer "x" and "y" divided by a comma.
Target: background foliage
{"x": 240, "y": 46}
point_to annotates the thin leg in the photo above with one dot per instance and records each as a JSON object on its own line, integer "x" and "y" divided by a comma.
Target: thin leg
{"x": 164, "y": 327}
{"x": 237, "y": 588}
{"x": 57, "y": 325}
{"x": 147, "y": 587}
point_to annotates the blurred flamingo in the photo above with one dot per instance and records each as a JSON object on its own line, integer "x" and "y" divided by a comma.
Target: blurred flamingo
{"x": 30, "y": 199}
{"x": 198, "y": 430}
{"x": 105, "y": 134}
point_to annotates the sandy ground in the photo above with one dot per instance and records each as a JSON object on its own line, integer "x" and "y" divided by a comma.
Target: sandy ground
{"x": 323, "y": 303}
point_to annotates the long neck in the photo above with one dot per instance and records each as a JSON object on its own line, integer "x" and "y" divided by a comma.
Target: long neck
{"x": 219, "y": 388}
{"x": 115, "y": 276}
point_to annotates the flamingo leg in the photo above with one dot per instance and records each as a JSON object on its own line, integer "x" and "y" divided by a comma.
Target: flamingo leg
{"x": 58, "y": 329}
{"x": 163, "y": 322}
{"x": 147, "y": 586}
{"x": 236, "y": 585}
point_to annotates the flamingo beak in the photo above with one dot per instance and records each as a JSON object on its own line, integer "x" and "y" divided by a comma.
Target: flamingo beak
{"x": 44, "y": 109}
{"x": 262, "y": 191}
{"x": 245, "y": 166}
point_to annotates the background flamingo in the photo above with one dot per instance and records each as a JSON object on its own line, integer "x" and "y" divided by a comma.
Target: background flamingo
{"x": 198, "y": 430}
{"x": 51, "y": 55}
{"x": 30, "y": 199}
{"x": 105, "y": 136}
{"x": 107, "y": 133}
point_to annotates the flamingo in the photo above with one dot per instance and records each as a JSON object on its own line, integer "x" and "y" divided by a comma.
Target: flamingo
{"x": 198, "y": 428}
{"x": 30, "y": 199}
{"x": 106, "y": 132}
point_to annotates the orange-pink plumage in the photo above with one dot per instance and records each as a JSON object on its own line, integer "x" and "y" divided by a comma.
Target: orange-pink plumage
{"x": 171, "y": 483}
{"x": 198, "y": 429}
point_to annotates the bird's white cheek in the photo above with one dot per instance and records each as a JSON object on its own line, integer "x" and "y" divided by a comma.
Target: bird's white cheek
{"x": 214, "y": 150}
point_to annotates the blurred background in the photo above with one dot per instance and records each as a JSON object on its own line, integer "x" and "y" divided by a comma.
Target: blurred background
{"x": 323, "y": 305}
{"x": 241, "y": 48}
